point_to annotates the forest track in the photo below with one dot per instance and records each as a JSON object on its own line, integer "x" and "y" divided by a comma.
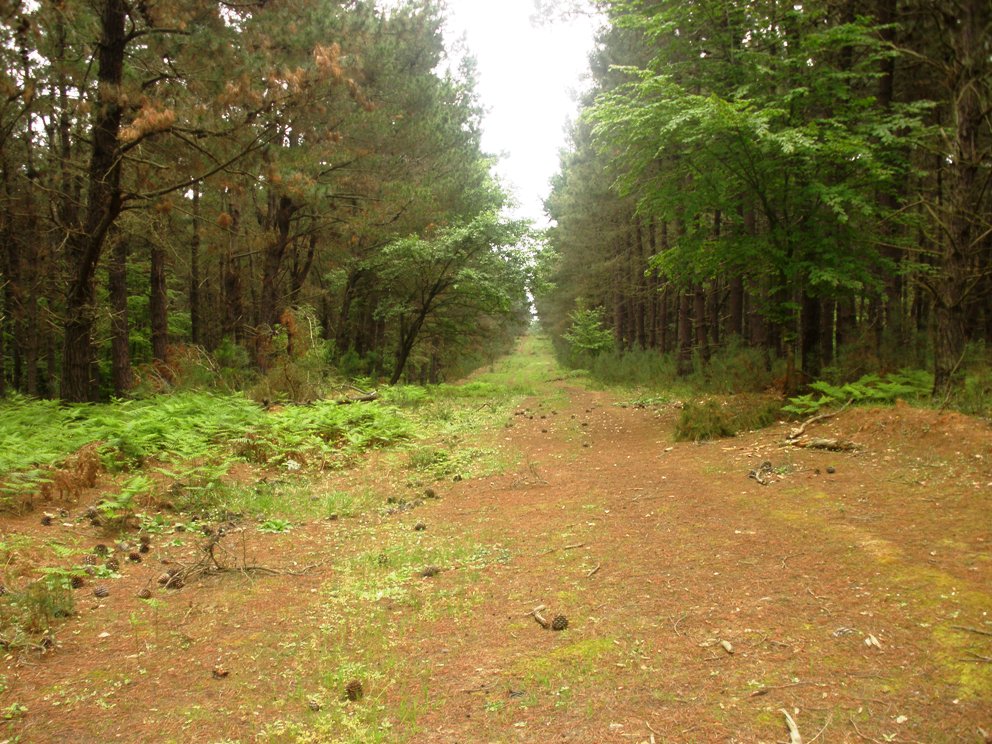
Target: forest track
{"x": 700, "y": 603}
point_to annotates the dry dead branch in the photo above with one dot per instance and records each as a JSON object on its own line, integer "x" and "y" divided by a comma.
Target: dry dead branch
{"x": 831, "y": 445}
{"x": 794, "y": 736}
{"x": 209, "y": 564}
{"x": 967, "y": 629}
{"x": 801, "y": 429}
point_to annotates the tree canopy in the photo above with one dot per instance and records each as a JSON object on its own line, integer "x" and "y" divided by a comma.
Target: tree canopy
{"x": 802, "y": 177}
{"x": 197, "y": 173}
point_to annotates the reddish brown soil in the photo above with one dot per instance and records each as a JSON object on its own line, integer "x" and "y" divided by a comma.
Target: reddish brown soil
{"x": 701, "y": 604}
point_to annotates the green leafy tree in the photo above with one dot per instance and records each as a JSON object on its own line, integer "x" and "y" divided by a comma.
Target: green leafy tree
{"x": 587, "y": 334}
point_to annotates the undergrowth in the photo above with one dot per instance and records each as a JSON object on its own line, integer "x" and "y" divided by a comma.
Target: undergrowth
{"x": 907, "y": 385}
{"x": 195, "y": 435}
{"x": 712, "y": 419}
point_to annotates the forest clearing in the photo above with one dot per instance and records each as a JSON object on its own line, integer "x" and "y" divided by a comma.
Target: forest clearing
{"x": 400, "y": 593}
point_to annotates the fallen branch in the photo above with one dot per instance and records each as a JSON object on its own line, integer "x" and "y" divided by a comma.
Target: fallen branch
{"x": 978, "y": 658}
{"x": 966, "y": 629}
{"x": 798, "y": 432}
{"x": 832, "y": 445}
{"x": 794, "y": 736}
{"x": 540, "y": 619}
{"x": 210, "y": 565}
{"x": 766, "y": 690}
{"x": 595, "y": 570}
{"x": 367, "y": 398}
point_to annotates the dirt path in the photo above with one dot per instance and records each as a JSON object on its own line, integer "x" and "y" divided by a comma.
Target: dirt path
{"x": 700, "y": 603}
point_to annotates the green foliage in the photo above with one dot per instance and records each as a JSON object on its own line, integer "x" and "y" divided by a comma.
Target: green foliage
{"x": 208, "y": 429}
{"x": 275, "y": 526}
{"x": 27, "y": 615}
{"x": 587, "y": 335}
{"x": 712, "y": 419}
{"x": 115, "y": 511}
{"x": 703, "y": 421}
{"x": 908, "y": 384}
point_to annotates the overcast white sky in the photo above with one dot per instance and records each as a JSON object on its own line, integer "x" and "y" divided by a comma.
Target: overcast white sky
{"x": 528, "y": 77}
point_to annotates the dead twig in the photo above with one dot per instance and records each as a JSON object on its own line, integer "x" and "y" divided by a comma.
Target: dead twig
{"x": 595, "y": 570}
{"x": 675, "y": 625}
{"x": 798, "y": 432}
{"x": 539, "y": 618}
{"x": 574, "y": 546}
{"x": 862, "y": 735}
{"x": 967, "y": 629}
{"x": 766, "y": 690}
{"x": 829, "y": 718}
{"x": 794, "y": 736}
{"x": 978, "y": 658}
{"x": 787, "y": 557}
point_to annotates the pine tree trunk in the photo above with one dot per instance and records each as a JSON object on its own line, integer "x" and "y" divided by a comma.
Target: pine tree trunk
{"x": 699, "y": 322}
{"x": 103, "y": 204}
{"x": 968, "y": 22}
{"x": 684, "y": 359}
{"x": 735, "y": 307}
{"x": 196, "y": 332}
{"x": 120, "y": 351}
{"x": 158, "y": 303}
{"x": 810, "y": 340}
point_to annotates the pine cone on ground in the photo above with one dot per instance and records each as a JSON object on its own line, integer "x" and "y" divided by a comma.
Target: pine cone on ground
{"x": 354, "y": 690}
{"x": 559, "y": 623}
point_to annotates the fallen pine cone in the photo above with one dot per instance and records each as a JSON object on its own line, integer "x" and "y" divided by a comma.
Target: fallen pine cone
{"x": 559, "y": 623}
{"x": 145, "y": 593}
{"x": 430, "y": 571}
{"x": 354, "y": 690}
{"x": 101, "y": 591}
{"x": 220, "y": 672}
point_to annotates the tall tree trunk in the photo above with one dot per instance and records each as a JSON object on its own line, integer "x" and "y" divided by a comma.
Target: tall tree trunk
{"x": 699, "y": 322}
{"x": 639, "y": 286}
{"x": 196, "y": 332}
{"x": 810, "y": 348}
{"x": 968, "y": 24}
{"x": 275, "y": 251}
{"x": 120, "y": 346}
{"x": 684, "y": 359}
{"x": 233, "y": 324}
{"x": 158, "y": 302}
{"x": 103, "y": 204}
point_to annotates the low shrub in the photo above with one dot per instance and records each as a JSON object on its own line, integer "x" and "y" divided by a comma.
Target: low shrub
{"x": 704, "y": 421}
{"x": 712, "y": 419}
{"x": 27, "y": 615}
